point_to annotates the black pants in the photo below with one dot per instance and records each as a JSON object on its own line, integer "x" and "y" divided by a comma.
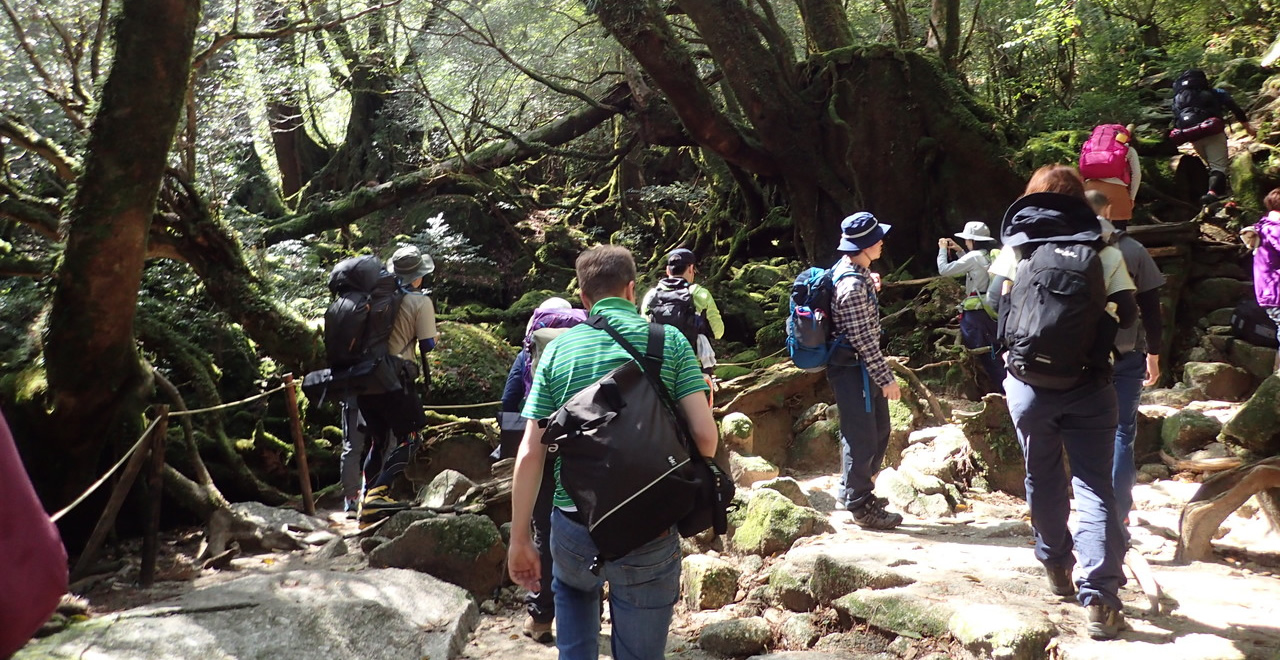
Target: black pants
{"x": 392, "y": 419}
{"x": 541, "y": 605}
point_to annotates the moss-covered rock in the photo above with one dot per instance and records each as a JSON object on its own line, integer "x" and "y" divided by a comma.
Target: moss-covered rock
{"x": 788, "y": 487}
{"x": 708, "y": 583}
{"x": 773, "y": 522}
{"x": 465, "y": 550}
{"x": 1218, "y": 381}
{"x": 816, "y": 447}
{"x": 1255, "y": 428}
{"x": 895, "y": 610}
{"x": 835, "y": 576}
{"x": 737, "y": 431}
{"x": 761, "y": 276}
{"x": 736, "y": 637}
{"x": 469, "y": 365}
{"x": 995, "y": 445}
{"x": 1188, "y": 430}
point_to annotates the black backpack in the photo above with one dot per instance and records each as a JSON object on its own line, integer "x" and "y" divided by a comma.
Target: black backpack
{"x": 627, "y": 457}
{"x": 1194, "y": 101}
{"x": 357, "y": 325}
{"x": 672, "y": 304}
{"x": 1054, "y": 322}
{"x": 357, "y": 329}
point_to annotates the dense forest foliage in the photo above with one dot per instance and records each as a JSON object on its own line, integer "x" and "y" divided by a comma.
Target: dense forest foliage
{"x": 178, "y": 176}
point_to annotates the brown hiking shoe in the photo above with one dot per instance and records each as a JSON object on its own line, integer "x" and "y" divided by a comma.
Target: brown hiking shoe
{"x": 1060, "y": 582}
{"x": 1105, "y": 622}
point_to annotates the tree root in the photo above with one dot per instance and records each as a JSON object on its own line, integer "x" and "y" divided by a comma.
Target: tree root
{"x": 1217, "y": 498}
{"x": 918, "y": 387}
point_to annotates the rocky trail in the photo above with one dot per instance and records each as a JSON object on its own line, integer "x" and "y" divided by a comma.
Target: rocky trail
{"x": 959, "y": 586}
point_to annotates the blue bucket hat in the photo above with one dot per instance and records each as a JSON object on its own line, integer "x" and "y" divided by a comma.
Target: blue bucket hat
{"x": 860, "y": 231}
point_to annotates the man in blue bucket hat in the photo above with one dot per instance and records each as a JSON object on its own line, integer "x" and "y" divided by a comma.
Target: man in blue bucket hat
{"x": 859, "y": 375}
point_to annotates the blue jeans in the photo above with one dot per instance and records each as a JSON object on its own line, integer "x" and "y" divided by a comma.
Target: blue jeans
{"x": 1130, "y": 371}
{"x": 1083, "y": 421}
{"x": 643, "y": 589}
{"x": 864, "y": 435}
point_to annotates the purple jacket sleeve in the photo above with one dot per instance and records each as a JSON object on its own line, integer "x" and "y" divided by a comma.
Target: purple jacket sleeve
{"x": 33, "y": 563}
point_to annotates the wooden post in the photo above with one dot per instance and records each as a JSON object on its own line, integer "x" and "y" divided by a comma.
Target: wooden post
{"x": 299, "y": 446}
{"x": 155, "y": 492}
{"x": 108, "y": 519}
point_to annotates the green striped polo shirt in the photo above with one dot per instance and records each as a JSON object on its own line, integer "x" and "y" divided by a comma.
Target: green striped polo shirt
{"x": 582, "y": 355}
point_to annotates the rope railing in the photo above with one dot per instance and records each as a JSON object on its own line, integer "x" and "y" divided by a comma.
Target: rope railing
{"x": 98, "y": 484}
{"x": 776, "y": 353}
{"x": 233, "y": 404}
{"x": 462, "y": 406}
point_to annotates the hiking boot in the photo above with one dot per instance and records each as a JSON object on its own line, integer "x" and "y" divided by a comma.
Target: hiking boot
{"x": 874, "y": 500}
{"x": 872, "y": 516}
{"x": 378, "y": 505}
{"x": 351, "y": 507}
{"x": 538, "y": 632}
{"x": 1105, "y": 622}
{"x": 1060, "y": 582}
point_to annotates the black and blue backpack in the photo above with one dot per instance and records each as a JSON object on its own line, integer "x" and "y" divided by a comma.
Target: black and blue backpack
{"x": 810, "y": 332}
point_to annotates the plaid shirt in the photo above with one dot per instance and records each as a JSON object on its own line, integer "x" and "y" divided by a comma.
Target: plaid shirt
{"x": 856, "y": 314}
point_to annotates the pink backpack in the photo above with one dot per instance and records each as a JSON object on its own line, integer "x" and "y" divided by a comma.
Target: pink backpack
{"x": 1103, "y": 154}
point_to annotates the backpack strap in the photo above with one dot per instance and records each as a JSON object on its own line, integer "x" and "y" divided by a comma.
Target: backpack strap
{"x": 651, "y": 364}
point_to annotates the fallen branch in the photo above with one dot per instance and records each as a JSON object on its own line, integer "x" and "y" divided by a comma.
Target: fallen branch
{"x": 1218, "y": 498}
{"x": 1201, "y": 464}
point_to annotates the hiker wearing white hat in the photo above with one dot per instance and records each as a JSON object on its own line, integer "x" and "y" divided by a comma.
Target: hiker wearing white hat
{"x": 977, "y": 321}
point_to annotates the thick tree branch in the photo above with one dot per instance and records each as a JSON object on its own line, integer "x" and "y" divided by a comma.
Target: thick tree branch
{"x": 642, "y": 28}
{"x": 16, "y": 265}
{"x": 423, "y": 182}
{"x": 27, "y": 138}
{"x": 38, "y": 214}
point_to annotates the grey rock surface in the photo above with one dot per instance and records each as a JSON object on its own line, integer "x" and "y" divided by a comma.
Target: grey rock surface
{"x": 294, "y": 615}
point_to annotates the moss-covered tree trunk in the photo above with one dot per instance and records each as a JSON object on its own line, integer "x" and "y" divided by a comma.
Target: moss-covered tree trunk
{"x": 847, "y": 129}
{"x": 95, "y": 377}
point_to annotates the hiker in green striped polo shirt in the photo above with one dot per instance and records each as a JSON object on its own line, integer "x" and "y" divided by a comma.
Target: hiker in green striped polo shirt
{"x": 645, "y": 584}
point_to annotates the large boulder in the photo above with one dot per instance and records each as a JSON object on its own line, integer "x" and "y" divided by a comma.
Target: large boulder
{"x": 772, "y": 523}
{"x": 468, "y": 365}
{"x": 937, "y": 452}
{"x": 1259, "y": 361}
{"x": 748, "y": 470}
{"x": 812, "y": 576}
{"x": 1255, "y": 428}
{"x": 995, "y": 445}
{"x": 1188, "y": 430}
{"x": 921, "y": 495}
{"x": 773, "y": 397}
{"x": 708, "y": 583}
{"x": 788, "y": 487}
{"x": 1218, "y": 381}
{"x": 817, "y": 447}
{"x": 446, "y": 489}
{"x": 291, "y": 615}
{"x": 465, "y": 550}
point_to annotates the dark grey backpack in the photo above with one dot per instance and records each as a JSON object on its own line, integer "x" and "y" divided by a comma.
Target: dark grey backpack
{"x": 627, "y": 457}
{"x": 1054, "y": 322}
